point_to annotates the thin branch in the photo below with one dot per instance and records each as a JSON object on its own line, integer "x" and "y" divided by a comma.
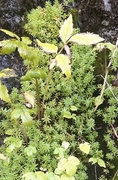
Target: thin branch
{"x": 110, "y": 89}
{"x": 38, "y": 100}
{"x": 106, "y": 73}
{"x": 45, "y": 91}
{"x": 116, "y": 174}
{"x": 114, "y": 131}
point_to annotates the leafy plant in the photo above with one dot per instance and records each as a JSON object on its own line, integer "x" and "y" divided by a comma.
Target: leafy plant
{"x": 50, "y": 108}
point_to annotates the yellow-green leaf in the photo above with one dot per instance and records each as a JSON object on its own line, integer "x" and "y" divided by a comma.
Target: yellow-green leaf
{"x": 38, "y": 175}
{"x": 26, "y": 40}
{"x": 24, "y": 114}
{"x": 85, "y": 147}
{"x": 66, "y": 29}
{"x": 29, "y": 98}
{"x": 93, "y": 160}
{"x": 73, "y": 108}
{"x": 6, "y": 73}
{"x": 110, "y": 46}
{"x": 53, "y": 63}
{"x": 66, "y": 177}
{"x": 49, "y": 48}
{"x": 11, "y": 34}
{"x": 8, "y": 46}
{"x": 101, "y": 163}
{"x": 64, "y": 63}
{"x": 98, "y": 101}
{"x": 4, "y": 93}
{"x": 86, "y": 39}
{"x": 2, "y": 156}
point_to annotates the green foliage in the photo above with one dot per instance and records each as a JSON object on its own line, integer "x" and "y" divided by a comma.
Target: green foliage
{"x": 50, "y": 109}
{"x": 46, "y": 21}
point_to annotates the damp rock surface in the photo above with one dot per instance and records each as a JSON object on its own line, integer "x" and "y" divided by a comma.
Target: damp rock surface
{"x": 100, "y": 17}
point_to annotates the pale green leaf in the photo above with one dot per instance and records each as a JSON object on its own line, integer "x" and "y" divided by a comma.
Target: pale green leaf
{"x": 67, "y": 114}
{"x": 26, "y": 117}
{"x": 23, "y": 114}
{"x": 69, "y": 165}
{"x": 6, "y": 73}
{"x": 35, "y": 176}
{"x": 11, "y": 34}
{"x": 93, "y": 160}
{"x": 9, "y": 131}
{"x": 26, "y": 40}
{"x": 8, "y": 46}
{"x": 64, "y": 63}
{"x": 16, "y": 113}
{"x": 98, "y": 100}
{"x": 34, "y": 73}
{"x": 30, "y": 150}
{"x": 23, "y": 50}
{"x": 28, "y": 175}
{"x": 2, "y": 156}
{"x": 73, "y": 108}
{"x": 66, "y": 29}
{"x": 61, "y": 166}
{"x": 101, "y": 163}
{"x": 65, "y": 144}
{"x": 110, "y": 46}
{"x": 41, "y": 176}
{"x": 74, "y": 160}
{"x": 66, "y": 177}
{"x": 53, "y": 63}
{"x": 86, "y": 39}
{"x": 52, "y": 176}
{"x": 71, "y": 168}
{"x": 59, "y": 151}
{"x": 49, "y": 48}
{"x": 29, "y": 98}
{"x": 10, "y": 148}
{"x": 4, "y": 93}
{"x": 85, "y": 147}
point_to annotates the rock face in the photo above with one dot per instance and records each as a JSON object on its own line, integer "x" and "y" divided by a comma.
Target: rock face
{"x": 100, "y": 17}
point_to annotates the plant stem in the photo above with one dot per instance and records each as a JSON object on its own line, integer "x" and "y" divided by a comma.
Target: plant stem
{"x": 38, "y": 100}
{"x": 45, "y": 91}
{"x": 107, "y": 71}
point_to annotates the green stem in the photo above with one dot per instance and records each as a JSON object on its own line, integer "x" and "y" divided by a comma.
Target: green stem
{"x": 45, "y": 91}
{"x": 38, "y": 100}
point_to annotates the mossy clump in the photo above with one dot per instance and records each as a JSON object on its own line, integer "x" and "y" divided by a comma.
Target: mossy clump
{"x": 44, "y": 23}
